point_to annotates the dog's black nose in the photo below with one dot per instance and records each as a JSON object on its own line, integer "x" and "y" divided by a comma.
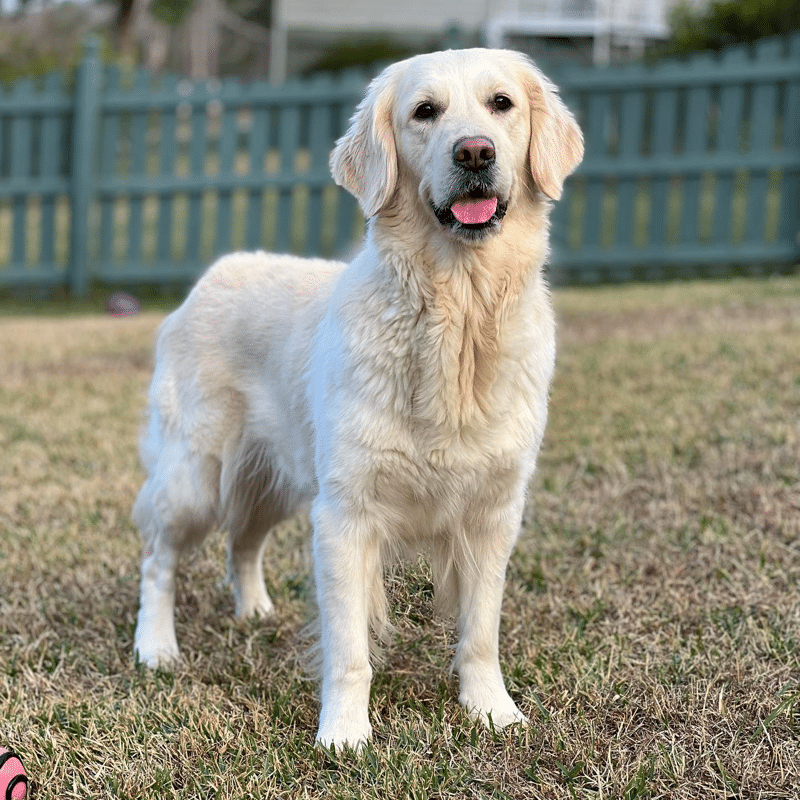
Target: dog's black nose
{"x": 473, "y": 153}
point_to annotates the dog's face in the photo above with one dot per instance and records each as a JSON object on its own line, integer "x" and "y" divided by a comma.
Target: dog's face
{"x": 468, "y": 129}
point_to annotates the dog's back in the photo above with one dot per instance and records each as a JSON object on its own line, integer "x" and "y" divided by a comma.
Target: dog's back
{"x": 230, "y": 360}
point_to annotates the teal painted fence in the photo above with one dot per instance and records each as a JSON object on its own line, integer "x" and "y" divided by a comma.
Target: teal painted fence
{"x": 134, "y": 178}
{"x": 691, "y": 168}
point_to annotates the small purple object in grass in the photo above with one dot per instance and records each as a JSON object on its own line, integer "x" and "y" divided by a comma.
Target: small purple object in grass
{"x": 121, "y": 304}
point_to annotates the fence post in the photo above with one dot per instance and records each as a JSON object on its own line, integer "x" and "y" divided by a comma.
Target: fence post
{"x": 83, "y": 150}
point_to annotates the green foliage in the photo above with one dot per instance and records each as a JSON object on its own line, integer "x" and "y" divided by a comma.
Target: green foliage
{"x": 33, "y": 45}
{"x": 174, "y": 12}
{"x": 360, "y": 54}
{"x": 22, "y": 57}
{"x": 728, "y": 22}
{"x": 171, "y": 12}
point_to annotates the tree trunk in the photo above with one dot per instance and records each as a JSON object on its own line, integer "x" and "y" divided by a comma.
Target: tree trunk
{"x": 202, "y": 28}
{"x": 131, "y": 21}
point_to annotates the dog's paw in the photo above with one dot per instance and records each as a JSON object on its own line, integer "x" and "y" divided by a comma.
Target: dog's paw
{"x": 499, "y": 719}
{"x": 347, "y": 732}
{"x": 342, "y": 744}
{"x": 156, "y": 655}
{"x": 497, "y": 711}
{"x": 158, "y": 659}
{"x": 260, "y": 606}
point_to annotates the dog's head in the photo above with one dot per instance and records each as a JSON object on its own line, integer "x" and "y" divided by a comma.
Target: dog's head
{"x": 469, "y": 129}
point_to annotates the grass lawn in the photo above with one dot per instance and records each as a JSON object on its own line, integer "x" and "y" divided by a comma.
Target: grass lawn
{"x": 651, "y": 628}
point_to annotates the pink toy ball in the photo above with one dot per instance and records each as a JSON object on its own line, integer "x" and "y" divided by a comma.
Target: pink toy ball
{"x": 122, "y": 304}
{"x": 13, "y": 783}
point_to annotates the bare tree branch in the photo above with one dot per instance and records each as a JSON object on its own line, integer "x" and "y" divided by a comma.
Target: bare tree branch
{"x": 243, "y": 27}
{"x": 197, "y": 38}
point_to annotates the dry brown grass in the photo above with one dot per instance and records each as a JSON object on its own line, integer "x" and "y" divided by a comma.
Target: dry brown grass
{"x": 652, "y": 617}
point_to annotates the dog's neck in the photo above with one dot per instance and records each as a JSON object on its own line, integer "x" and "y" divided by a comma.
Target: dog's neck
{"x": 462, "y": 296}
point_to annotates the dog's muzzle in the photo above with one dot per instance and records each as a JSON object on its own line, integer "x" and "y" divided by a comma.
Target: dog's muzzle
{"x": 473, "y": 209}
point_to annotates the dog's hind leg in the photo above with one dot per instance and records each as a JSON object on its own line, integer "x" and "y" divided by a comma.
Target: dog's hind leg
{"x": 174, "y": 510}
{"x": 253, "y": 504}
{"x": 245, "y": 556}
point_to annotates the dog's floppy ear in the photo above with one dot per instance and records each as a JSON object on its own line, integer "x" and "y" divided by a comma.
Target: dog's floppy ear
{"x": 556, "y": 140}
{"x": 364, "y": 160}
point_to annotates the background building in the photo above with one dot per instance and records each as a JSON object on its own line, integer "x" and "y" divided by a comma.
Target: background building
{"x": 598, "y": 31}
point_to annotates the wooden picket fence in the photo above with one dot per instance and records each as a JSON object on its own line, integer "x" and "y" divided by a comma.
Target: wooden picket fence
{"x": 134, "y": 178}
{"x": 692, "y": 168}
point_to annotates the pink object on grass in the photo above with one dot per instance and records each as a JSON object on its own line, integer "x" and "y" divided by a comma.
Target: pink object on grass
{"x": 13, "y": 783}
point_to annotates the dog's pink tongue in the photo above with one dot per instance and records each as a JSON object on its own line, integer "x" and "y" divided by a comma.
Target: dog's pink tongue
{"x": 474, "y": 212}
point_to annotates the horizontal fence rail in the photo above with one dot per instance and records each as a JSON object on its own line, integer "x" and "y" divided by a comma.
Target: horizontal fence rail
{"x": 691, "y": 168}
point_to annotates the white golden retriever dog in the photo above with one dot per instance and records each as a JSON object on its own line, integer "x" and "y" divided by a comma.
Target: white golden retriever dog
{"x": 403, "y": 394}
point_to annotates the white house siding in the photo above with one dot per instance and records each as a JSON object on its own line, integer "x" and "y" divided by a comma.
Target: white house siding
{"x": 435, "y": 15}
{"x": 378, "y": 15}
{"x": 305, "y": 29}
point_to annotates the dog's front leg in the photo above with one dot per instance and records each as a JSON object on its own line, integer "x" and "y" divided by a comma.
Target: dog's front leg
{"x": 346, "y": 564}
{"x": 481, "y": 578}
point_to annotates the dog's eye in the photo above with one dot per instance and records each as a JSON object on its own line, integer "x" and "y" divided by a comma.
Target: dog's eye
{"x": 501, "y": 102}
{"x": 425, "y": 111}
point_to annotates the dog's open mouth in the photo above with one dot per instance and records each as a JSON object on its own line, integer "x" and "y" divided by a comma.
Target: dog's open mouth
{"x": 474, "y": 212}
{"x": 472, "y": 215}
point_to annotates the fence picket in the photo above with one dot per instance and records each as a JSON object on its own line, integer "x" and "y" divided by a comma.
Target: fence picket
{"x": 319, "y": 146}
{"x": 5, "y": 126}
{"x": 109, "y": 155}
{"x": 50, "y": 161}
{"x": 82, "y": 160}
{"x": 731, "y": 108}
{"x": 167, "y": 155}
{"x": 227, "y": 159}
{"x": 137, "y": 168}
{"x": 695, "y": 131}
{"x": 257, "y": 152}
{"x": 665, "y": 109}
{"x": 21, "y": 127}
{"x": 197, "y": 168}
{"x": 596, "y": 147}
{"x": 762, "y": 136}
{"x": 631, "y": 123}
{"x": 789, "y": 210}
{"x": 288, "y": 139}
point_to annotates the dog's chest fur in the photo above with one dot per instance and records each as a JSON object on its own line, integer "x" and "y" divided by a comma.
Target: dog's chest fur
{"x": 456, "y": 366}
